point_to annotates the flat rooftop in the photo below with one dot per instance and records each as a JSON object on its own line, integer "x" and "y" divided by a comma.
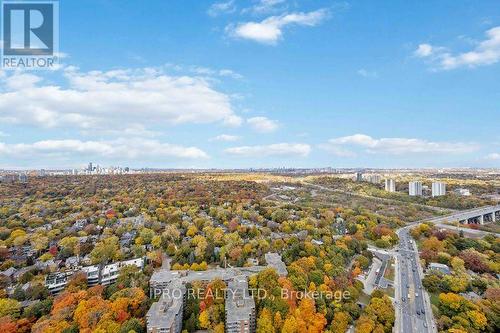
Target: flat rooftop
{"x": 240, "y": 305}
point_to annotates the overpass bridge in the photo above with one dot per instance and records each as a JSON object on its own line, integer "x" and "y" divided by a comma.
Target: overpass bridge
{"x": 480, "y": 215}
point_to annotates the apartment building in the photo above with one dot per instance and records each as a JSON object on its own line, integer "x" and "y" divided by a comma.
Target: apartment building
{"x": 240, "y": 307}
{"x": 390, "y": 185}
{"x": 438, "y": 189}
{"x": 415, "y": 188}
{"x": 165, "y": 316}
{"x": 103, "y": 275}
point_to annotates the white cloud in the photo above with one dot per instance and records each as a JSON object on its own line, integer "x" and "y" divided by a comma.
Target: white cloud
{"x": 493, "y": 156}
{"x": 225, "y": 137}
{"x": 230, "y": 73}
{"x": 130, "y": 149}
{"x": 270, "y": 30}
{"x": 337, "y": 150}
{"x": 224, "y": 7}
{"x": 132, "y": 131}
{"x": 277, "y": 149}
{"x": 118, "y": 98}
{"x": 368, "y": 74}
{"x": 265, "y": 6}
{"x": 61, "y": 55}
{"x": 210, "y": 72}
{"x": 348, "y": 145}
{"x": 486, "y": 52}
{"x": 205, "y": 71}
{"x": 263, "y": 124}
{"x": 21, "y": 81}
{"x": 424, "y": 50}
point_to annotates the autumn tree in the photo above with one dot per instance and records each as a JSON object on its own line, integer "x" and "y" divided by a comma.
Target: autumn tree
{"x": 340, "y": 322}
{"x": 106, "y": 250}
{"x": 9, "y": 307}
{"x": 265, "y": 322}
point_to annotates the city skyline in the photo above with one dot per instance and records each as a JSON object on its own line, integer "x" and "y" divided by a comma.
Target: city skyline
{"x": 261, "y": 84}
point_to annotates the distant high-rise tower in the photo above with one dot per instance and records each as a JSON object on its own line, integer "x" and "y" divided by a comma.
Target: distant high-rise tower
{"x": 390, "y": 185}
{"x": 373, "y": 178}
{"x": 438, "y": 189}
{"x": 415, "y": 188}
{"x": 23, "y": 178}
{"x": 90, "y": 168}
{"x": 359, "y": 176}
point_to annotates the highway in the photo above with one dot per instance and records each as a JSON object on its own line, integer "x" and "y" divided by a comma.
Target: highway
{"x": 443, "y": 221}
{"x": 412, "y": 302}
{"x": 413, "y": 308}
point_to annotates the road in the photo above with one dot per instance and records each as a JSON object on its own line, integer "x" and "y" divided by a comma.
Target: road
{"x": 412, "y": 302}
{"x": 442, "y": 222}
{"x": 413, "y": 307}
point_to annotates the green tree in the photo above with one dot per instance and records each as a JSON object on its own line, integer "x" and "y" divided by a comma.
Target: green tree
{"x": 105, "y": 250}
{"x": 132, "y": 325}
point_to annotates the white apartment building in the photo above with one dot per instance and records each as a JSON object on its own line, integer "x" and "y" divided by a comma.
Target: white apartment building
{"x": 415, "y": 188}
{"x": 438, "y": 189}
{"x": 104, "y": 275}
{"x": 390, "y": 185}
{"x": 373, "y": 178}
{"x": 56, "y": 282}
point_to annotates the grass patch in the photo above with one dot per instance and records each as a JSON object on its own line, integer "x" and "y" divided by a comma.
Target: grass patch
{"x": 389, "y": 271}
{"x": 364, "y": 298}
{"x": 434, "y": 299}
{"x": 491, "y": 227}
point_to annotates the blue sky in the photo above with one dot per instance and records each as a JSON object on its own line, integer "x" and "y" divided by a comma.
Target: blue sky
{"x": 261, "y": 83}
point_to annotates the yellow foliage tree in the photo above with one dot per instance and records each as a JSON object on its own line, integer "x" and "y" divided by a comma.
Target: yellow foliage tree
{"x": 265, "y": 322}
{"x": 204, "y": 319}
{"x": 290, "y": 325}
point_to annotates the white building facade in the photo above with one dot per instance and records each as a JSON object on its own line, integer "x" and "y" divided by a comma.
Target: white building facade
{"x": 415, "y": 189}
{"x": 390, "y": 185}
{"x": 438, "y": 189}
